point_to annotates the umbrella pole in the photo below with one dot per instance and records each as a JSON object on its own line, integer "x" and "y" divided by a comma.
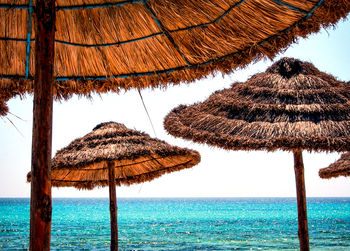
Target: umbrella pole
{"x": 40, "y": 202}
{"x": 113, "y": 207}
{"x": 303, "y": 231}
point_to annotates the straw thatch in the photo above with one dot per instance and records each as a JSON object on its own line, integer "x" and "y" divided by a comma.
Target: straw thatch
{"x": 347, "y": 89}
{"x": 291, "y": 105}
{"x": 339, "y": 168}
{"x": 136, "y": 156}
{"x": 111, "y": 45}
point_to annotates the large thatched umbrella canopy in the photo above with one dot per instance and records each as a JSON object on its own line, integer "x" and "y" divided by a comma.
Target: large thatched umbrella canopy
{"x": 292, "y": 106}
{"x": 111, "y": 45}
{"x": 113, "y": 155}
{"x": 339, "y": 168}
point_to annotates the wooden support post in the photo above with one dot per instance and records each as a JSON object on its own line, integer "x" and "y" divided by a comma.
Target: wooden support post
{"x": 113, "y": 207}
{"x": 303, "y": 231}
{"x": 40, "y": 203}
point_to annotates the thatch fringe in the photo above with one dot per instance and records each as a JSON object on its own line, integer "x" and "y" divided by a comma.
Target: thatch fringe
{"x": 339, "y": 168}
{"x": 3, "y": 108}
{"x": 128, "y": 175}
{"x": 190, "y": 41}
{"x": 136, "y": 157}
{"x": 276, "y": 109}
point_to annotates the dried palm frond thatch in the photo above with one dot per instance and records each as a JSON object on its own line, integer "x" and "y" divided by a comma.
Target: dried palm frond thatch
{"x": 339, "y": 168}
{"x": 136, "y": 157}
{"x": 110, "y": 45}
{"x": 113, "y": 155}
{"x": 292, "y": 106}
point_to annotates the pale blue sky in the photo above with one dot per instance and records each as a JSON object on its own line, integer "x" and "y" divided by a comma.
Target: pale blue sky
{"x": 220, "y": 174}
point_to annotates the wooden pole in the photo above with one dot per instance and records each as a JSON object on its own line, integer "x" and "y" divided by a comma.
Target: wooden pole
{"x": 113, "y": 207}
{"x": 303, "y": 231}
{"x": 40, "y": 203}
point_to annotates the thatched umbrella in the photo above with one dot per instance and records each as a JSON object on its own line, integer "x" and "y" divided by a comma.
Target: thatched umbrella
{"x": 339, "y": 168}
{"x": 112, "y": 44}
{"x": 292, "y": 106}
{"x": 108, "y": 45}
{"x": 114, "y": 155}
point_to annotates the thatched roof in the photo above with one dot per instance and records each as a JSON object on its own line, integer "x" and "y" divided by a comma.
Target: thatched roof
{"x": 291, "y": 105}
{"x": 111, "y": 45}
{"x": 339, "y": 168}
{"x": 137, "y": 158}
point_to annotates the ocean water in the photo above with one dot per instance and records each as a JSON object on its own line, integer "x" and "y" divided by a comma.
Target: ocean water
{"x": 182, "y": 224}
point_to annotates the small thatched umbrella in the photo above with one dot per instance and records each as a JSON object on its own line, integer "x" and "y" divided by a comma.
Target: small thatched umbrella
{"x": 292, "y": 106}
{"x": 114, "y": 155}
{"x": 339, "y": 168}
{"x": 60, "y": 47}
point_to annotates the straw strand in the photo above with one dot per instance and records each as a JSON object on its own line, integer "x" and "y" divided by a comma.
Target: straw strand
{"x": 149, "y": 117}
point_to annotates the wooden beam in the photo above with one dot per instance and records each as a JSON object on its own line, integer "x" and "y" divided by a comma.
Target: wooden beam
{"x": 40, "y": 203}
{"x": 113, "y": 207}
{"x": 303, "y": 231}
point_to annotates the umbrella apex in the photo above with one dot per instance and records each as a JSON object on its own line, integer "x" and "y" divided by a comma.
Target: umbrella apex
{"x": 287, "y": 67}
{"x": 110, "y": 124}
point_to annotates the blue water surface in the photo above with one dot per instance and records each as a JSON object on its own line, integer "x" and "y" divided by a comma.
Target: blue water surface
{"x": 182, "y": 224}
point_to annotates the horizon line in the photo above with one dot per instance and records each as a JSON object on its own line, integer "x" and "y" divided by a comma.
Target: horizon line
{"x": 179, "y": 197}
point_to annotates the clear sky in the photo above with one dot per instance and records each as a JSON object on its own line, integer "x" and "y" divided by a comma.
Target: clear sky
{"x": 220, "y": 174}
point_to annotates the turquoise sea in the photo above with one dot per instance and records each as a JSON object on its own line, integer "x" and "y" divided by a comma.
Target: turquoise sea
{"x": 182, "y": 224}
